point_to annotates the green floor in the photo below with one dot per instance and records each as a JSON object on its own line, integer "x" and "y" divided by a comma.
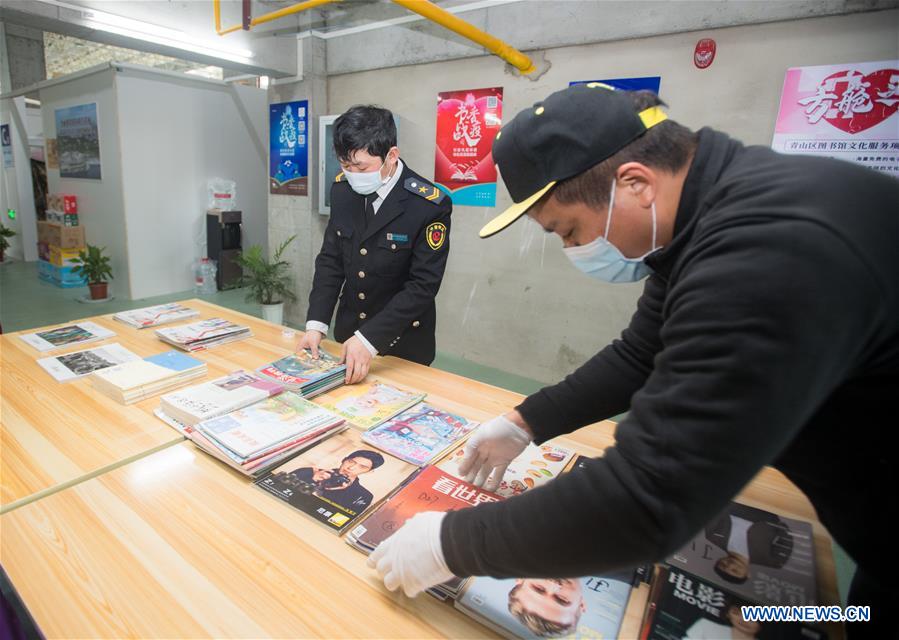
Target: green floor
{"x": 26, "y": 302}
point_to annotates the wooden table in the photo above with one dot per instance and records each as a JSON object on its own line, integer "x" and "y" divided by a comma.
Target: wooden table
{"x": 172, "y": 543}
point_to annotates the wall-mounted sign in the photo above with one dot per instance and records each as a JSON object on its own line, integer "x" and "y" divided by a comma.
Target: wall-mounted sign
{"x": 845, "y": 111}
{"x": 6, "y": 143}
{"x": 646, "y": 83}
{"x": 704, "y": 53}
{"x": 78, "y": 142}
{"x": 467, "y": 123}
{"x": 289, "y": 148}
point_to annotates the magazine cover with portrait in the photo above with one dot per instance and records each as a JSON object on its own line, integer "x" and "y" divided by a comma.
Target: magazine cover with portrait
{"x": 590, "y": 607}
{"x": 337, "y": 480}
{"x": 759, "y": 555}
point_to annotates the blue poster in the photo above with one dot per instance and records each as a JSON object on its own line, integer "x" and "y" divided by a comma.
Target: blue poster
{"x": 288, "y": 166}
{"x": 651, "y": 83}
{"x": 78, "y": 142}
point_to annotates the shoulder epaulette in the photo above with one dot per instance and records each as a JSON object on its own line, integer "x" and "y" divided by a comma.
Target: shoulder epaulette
{"x": 339, "y": 177}
{"x": 424, "y": 189}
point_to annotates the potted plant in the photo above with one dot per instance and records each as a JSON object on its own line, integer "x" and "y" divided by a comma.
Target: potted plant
{"x": 95, "y": 267}
{"x": 269, "y": 281}
{"x": 5, "y": 232}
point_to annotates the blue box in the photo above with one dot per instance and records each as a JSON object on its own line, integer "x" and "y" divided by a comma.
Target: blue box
{"x": 59, "y": 276}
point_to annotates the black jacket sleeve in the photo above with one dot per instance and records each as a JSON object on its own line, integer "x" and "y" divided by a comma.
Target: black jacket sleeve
{"x": 603, "y": 386}
{"x": 762, "y": 325}
{"x": 328, "y": 279}
{"x": 421, "y": 286}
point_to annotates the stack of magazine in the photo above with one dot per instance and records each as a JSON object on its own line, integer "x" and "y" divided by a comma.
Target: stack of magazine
{"x": 77, "y": 364}
{"x": 140, "y": 379}
{"x": 368, "y": 404}
{"x": 743, "y": 556}
{"x": 155, "y": 316}
{"x": 260, "y": 436}
{"x": 420, "y": 434}
{"x": 203, "y": 334}
{"x": 217, "y": 397}
{"x": 66, "y": 336}
{"x": 303, "y": 374}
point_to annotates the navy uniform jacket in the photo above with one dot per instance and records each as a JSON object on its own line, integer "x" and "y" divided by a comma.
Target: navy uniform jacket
{"x": 389, "y": 267}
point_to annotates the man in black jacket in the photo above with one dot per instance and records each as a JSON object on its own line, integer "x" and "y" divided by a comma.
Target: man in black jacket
{"x": 384, "y": 251}
{"x": 768, "y": 324}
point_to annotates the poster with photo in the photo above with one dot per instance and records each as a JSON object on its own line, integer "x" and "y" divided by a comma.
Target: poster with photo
{"x": 844, "y": 111}
{"x": 6, "y": 143}
{"x": 78, "y": 142}
{"x": 288, "y": 148}
{"x": 467, "y": 123}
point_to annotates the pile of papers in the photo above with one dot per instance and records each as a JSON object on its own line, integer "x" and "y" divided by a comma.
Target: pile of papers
{"x": 303, "y": 374}
{"x": 155, "y": 316}
{"x": 140, "y": 379}
{"x": 203, "y": 334}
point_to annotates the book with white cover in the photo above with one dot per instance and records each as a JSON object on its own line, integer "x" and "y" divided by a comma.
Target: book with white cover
{"x": 140, "y": 379}
{"x": 156, "y": 315}
{"x": 65, "y": 336}
{"x": 72, "y": 366}
{"x": 217, "y": 397}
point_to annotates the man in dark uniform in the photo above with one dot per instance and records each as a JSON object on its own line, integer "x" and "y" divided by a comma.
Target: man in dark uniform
{"x": 385, "y": 247}
{"x": 768, "y": 320}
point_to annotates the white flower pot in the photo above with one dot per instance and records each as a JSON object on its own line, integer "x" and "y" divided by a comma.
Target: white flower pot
{"x": 273, "y": 312}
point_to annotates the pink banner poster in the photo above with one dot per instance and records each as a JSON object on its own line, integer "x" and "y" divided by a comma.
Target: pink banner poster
{"x": 845, "y": 111}
{"x": 467, "y": 123}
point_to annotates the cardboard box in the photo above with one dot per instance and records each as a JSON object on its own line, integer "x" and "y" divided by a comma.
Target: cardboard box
{"x": 70, "y": 204}
{"x": 61, "y": 236}
{"x": 70, "y": 219}
{"x": 63, "y": 257}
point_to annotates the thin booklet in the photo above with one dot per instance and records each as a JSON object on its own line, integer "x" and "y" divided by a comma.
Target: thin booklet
{"x": 203, "y": 334}
{"x": 368, "y": 404}
{"x": 78, "y": 364}
{"x": 420, "y": 434}
{"x": 217, "y": 397}
{"x": 156, "y": 315}
{"x": 337, "y": 480}
{"x": 66, "y": 336}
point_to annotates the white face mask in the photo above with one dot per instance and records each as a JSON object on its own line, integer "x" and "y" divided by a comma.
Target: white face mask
{"x": 366, "y": 182}
{"x": 602, "y": 260}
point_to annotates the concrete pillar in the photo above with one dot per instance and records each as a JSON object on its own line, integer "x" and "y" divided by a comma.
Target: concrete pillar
{"x": 24, "y": 54}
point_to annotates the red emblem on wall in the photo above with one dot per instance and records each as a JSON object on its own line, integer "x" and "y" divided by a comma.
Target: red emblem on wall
{"x": 704, "y": 53}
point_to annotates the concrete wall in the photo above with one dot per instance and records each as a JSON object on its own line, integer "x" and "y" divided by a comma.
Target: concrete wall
{"x": 514, "y": 302}
{"x": 176, "y": 133}
{"x": 100, "y": 202}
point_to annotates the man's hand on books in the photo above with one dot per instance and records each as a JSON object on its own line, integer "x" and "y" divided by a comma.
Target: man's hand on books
{"x": 310, "y": 340}
{"x": 412, "y": 558}
{"x": 491, "y": 448}
{"x": 357, "y": 358}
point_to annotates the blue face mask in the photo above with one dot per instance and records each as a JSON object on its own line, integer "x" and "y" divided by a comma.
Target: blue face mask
{"x": 602, "y": 260}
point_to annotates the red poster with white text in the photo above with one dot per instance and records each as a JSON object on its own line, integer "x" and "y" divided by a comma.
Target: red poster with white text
{"x": 467, "y": 123}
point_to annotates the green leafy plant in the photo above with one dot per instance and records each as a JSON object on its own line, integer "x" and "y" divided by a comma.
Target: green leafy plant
{"x": 5, "y": 232}
{"x": 93, "y": 265}
{"x": 269, "y": 281}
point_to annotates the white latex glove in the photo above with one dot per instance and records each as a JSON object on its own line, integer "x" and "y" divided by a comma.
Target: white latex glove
{"x": 491, "y": 448}
{"x": 412, "y": 558}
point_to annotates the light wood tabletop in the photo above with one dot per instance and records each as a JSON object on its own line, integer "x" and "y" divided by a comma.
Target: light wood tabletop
{"x": 175, "y": 544}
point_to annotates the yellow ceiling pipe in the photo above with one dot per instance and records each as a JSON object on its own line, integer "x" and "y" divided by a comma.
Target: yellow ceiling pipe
{"x": 267, "y": 17}
{"x": 494, "y": 45}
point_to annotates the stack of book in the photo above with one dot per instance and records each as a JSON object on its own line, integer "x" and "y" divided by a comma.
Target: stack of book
{"x": 155, "y": 316}
{"x": 66, "y": 336}
{"x": 203, "y": 334}
{"x": 140, "y": 379}
{"x": 217, "y": 397}
{"x": 420, "y": 434}
{"x": 368, "y": 404}
{"x": 260, "y": 436}
{"x": 303, "y": 374}
{"x": 77, "y": 364}
{"x": 743, "y": 556}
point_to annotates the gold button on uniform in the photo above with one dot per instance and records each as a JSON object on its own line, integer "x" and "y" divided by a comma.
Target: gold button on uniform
{"x": 361, "y": 274}
{"x": 416, "y": 323}
{"x": 361, "y": 296}
{"x": 363, "y": 251}
{"x": 362, "y": 316}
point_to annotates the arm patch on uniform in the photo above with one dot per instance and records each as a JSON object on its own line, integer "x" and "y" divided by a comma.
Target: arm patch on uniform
{"x": 424, "y": 190}
{"x": 436, "y": 234}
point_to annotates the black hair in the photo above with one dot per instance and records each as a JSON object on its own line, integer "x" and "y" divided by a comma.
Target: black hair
{"x": 724, "y": 575}
{"x": 364, "y": 128}
{"x": 667, "y": 146}
{"x": 376, "y": 458}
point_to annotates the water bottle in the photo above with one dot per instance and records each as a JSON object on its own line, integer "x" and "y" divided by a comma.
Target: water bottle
{"x": 204, "y": 277}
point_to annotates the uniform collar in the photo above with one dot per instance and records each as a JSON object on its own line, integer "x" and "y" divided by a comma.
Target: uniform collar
{"x": 385, "y": 188}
